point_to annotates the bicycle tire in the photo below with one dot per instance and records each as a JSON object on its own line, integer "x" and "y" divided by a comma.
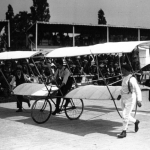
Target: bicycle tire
{"x": 41, "y": 110}
{"x": 74, "y": 109}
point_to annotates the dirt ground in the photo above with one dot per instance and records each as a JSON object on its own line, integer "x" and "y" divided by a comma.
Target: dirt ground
{"x": 96, "y": 129}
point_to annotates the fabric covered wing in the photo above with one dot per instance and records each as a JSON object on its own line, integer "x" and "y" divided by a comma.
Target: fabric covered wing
{"x": 83, "y": 92}
{"x": 97, "y": 92}
{"x": 70, "y": 52}
{"x": 33, "y": 89}
{"x": 94, "y": 92}
{"x": 143, "y": 87}
{"x": 17, "y": 55}
{"x": 118, "y": 47}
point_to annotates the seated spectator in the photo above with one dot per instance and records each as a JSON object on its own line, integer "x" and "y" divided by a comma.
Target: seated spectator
{"x": 116, "y": 58}
{"x": 123, "y": 59}
{"x": 7, "y": 65}
{"x": 25, "y": 68}
{"x": 4, "y": 83}
{"x": 110, "y": 59}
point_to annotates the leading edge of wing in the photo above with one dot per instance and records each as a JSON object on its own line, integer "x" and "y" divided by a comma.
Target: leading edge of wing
{"x": 94, "y": 92}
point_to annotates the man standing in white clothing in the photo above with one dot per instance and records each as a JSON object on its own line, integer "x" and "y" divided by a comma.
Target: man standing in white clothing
{"x": 130, "y": 94}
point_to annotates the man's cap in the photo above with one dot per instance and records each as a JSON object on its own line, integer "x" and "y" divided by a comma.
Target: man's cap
{"x": 6, "y": 70}
{"x": 126, "y": 67}
{"x": 59, "y": 61}
{"x": 19, "y": 67}
{"x": 8, "y": 62}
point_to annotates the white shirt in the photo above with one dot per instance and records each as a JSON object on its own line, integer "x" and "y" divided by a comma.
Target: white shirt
{"x": 64, "y": 73}
{"x": 14, "y": 79}
{"x": 135, "y": 89}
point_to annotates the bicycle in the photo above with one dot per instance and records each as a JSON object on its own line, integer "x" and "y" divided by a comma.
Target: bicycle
{"x": 42, "y": 108}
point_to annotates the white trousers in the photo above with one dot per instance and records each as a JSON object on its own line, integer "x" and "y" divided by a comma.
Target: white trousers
{"x": 127, "y": 107}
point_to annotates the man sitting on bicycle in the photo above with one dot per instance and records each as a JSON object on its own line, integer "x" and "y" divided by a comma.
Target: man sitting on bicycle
{"x": 64, "y": 82}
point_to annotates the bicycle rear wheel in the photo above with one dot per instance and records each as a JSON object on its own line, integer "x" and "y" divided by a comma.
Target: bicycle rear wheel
{"x": 41, "y": 110}
{"x": 74, "y": 109}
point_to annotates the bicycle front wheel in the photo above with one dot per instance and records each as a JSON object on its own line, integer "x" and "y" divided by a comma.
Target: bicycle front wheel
{"x": 74, "y": 109}
{"x": 41, "y": 110}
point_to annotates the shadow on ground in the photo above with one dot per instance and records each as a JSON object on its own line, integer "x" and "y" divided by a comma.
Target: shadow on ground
{"x": 79, "y": 127}
{"x": 63, "y": 124}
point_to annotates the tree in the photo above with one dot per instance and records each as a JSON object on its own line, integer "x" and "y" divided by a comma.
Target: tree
{"x": 22, "y": 21}
{"x": 40, "y": 11}
{"x": 21, "y": 24}
{"x": 101, "y": 17}
{"x": 10, "y": 13}
{"x": 10, "y": 17}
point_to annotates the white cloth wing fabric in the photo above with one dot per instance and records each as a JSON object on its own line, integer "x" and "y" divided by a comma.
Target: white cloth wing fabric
{"x": 118, "y": 47}
{"x": 17, "y": 55}
{"x": 94, "y": 92}
{"x": 143, "y": 87}
{"x": 33, "y": 89}
{"x": 70, "y": 52}
{"x": 83, "y": 92}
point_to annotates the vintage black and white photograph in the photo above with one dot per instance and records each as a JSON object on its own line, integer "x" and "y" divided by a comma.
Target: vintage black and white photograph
{"x": 74, "y": 75}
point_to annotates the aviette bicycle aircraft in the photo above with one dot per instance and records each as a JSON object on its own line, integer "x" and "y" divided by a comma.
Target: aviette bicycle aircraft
{"x": 100, "y": 92}
{"x": 95, "y": 92}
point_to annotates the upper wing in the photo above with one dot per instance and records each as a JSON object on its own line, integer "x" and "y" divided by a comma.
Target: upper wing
{"x": 119, "y": 47}
{"x": 17, "y": 55}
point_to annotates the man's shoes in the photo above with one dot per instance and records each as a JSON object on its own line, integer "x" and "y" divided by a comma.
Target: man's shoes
{"x": 119, "y": 97}
{"x": 19, "y": 110}
{"x": 139, "y": 103}
{"x": 55, "y": 112}
{"x": 122, "y": 134}
{"x": 65, "y": 105}
{"x": 29, "y": 103}
{"x": 136, "y": 125}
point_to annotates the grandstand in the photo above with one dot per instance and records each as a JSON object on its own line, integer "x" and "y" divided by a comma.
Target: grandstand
{"x": 51, "y": 35}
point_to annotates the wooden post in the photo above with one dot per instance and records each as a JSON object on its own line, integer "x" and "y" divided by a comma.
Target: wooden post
{"x": 73, "y": 36}
{"x": 107, "y": 34}
{"x": 8, "y": 33}
{"x": 139, "y": 36}
{"x": 36, "y": 36}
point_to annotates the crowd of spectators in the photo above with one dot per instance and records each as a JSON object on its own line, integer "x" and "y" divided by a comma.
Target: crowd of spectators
{"x": 101, "y": 69}
{"x": 108, "y": 66}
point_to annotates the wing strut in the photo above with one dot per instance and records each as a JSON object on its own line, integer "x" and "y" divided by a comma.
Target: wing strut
{"x": 99, "y": 70}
